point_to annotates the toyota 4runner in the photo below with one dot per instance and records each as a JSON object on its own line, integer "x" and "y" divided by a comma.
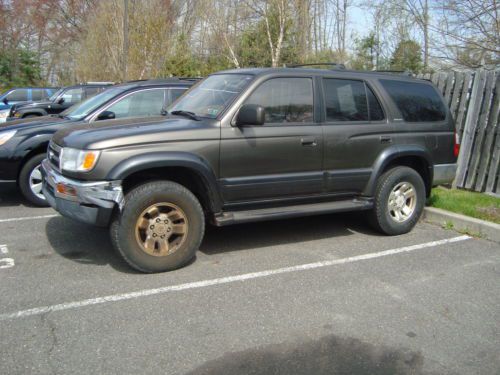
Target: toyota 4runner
{"x": 255, "y": 144}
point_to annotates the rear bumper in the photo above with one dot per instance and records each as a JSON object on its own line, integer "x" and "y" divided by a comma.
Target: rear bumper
{"x": 88, "y": 202}
{"x": 444, "y": 174}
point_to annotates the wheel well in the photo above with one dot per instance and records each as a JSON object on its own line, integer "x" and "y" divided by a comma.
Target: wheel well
{"x": 42, "y": 149}
{"x": 418, "y": 164}
{"x": 186, "y": 177}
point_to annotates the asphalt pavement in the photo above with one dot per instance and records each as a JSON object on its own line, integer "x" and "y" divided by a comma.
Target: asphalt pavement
{"x": 316, "y": 295}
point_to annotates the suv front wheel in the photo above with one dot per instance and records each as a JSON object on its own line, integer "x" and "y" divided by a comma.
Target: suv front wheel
{"x": 160, "y": 227}
{"x": 399, "y": 201}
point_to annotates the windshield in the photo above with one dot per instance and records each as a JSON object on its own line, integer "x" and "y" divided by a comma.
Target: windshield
{"x": 55, "y": 95}
{"x": 212, "y": 95}
{"x": 89, "y": 105}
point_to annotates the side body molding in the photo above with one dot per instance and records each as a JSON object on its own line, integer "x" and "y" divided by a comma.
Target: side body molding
{"x": 171, "y": 159}
{"x": 392, "y": 153}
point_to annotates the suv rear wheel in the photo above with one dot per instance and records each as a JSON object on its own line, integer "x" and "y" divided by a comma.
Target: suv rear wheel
{"x": 160, "y": 228}
{"x": 399, "y": 201}
{"x": 30, "y": 181}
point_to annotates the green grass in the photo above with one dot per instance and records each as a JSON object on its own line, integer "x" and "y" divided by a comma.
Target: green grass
{"x": 480, "y": 206}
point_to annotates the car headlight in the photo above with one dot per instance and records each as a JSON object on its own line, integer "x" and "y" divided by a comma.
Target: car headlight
{"x": 74, "y": 160}
{"x": 5, "y": 136}
{"x": 4, "y": 114}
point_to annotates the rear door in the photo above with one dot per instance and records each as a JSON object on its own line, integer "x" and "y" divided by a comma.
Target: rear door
{"x": 282, "y": 158}
{"x": 356, "y": 131}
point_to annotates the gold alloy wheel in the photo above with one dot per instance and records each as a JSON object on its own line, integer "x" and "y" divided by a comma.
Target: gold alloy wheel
{"x": 161, "y": 229}
{"x": 402, "y": 202}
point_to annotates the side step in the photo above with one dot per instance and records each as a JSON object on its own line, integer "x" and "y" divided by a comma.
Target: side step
{"x": 233, "y": 217}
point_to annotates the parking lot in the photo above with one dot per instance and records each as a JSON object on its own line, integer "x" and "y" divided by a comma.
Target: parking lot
{"x": 317, "y": 295}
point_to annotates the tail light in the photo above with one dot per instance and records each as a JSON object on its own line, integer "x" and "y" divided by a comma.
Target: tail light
{"x": 456, "y": 146}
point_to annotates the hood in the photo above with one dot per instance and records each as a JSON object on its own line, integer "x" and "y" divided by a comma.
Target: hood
{"x": 24, "y": 105}
{"x": 32, "y": 123}
{"x": 125, "y": 132}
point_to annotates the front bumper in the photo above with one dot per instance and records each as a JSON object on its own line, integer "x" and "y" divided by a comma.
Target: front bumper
{"x": 88, "y": 202}
{"x": 444, "y": 174}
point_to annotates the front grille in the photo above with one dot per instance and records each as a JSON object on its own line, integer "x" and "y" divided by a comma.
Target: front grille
{"x": 54, "y": 154}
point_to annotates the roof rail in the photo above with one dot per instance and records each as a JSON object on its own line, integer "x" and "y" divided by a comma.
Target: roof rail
{"x": 332, "y": 64}
{"x": 96, "y": 83}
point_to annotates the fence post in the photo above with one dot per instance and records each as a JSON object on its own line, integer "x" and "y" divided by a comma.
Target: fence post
{"x": 470, "y": 127}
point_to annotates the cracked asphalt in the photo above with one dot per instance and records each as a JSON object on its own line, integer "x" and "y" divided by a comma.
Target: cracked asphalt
{"x": 318, "y": 295}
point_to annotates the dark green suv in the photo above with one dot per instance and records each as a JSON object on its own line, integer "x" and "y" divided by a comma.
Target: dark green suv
{"x": 255, "y": 144}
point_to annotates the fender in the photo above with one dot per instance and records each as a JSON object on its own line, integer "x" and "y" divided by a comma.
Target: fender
{"x": 390, "y": 154}
{"x": 171, "y": 159}
{"x": 33, "y": 111}
{"x": 32, "y": 143}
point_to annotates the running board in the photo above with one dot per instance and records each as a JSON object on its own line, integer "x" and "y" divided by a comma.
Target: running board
{"x": 233, "y": 217}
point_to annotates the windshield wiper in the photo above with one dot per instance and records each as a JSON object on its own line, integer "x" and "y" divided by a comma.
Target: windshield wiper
{"x": 191, "y": 115}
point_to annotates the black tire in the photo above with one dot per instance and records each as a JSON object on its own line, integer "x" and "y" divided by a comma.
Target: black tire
{"x": 381, "y": 218}
{"x": 123, "y": 226}
{"x": 24, "y": 181}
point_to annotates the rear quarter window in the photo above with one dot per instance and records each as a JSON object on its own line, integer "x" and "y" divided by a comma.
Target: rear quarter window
{"x": 417, "y": 102}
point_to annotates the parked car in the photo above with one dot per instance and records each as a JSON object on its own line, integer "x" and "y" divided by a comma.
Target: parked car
{"x": 23, "y": 143}
{"x": 59, "y": 101}
{"x": 255, "y": 144}
{"x": 22, "y": 95}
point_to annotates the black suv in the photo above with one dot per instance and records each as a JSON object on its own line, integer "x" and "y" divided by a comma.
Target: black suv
{"x": 61, "y": 100}
{"x": 255, "y": 144}
{"x": 23, "y": 143}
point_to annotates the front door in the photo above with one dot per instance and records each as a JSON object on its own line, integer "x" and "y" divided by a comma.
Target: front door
{"x": 280, "y": 159}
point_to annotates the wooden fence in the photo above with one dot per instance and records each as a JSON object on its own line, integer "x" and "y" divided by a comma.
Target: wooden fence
{"x": 473, "y": 98}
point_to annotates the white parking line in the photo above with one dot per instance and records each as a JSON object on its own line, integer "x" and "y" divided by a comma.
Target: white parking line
{"x": 222, "y": 280}
{"x": 5, "y": 262}
{"x": 27, "y": 218}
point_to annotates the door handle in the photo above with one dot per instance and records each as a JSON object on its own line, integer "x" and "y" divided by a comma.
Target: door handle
{"x": 385, "y": 139}
{"x": 308, "y": 141}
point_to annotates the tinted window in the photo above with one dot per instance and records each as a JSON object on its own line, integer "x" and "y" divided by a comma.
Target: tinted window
{"x": 285, "y": 100}
{"x": 376, "y": 112}
{"x": 417, "y": 102}
{"x": 37, "y": 94}
{"x": 139, "y": 104}
{"x": 345, "y": 100}
{"x": 20, "y": 95}
{"x": 73, "y": 96}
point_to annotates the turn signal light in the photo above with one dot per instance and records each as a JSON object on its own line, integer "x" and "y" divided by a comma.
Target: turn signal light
{"x": 64, "y": 189}
{"x": 89, "y": 160}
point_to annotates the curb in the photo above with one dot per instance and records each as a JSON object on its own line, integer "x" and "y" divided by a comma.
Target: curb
{"x": 462, "y": 223}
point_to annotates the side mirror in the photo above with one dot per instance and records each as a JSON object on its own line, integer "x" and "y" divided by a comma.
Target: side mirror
{"x": 60, "y": 101}
{"x": 251, "y": 114}
{"x": 106, "y": 115}
{"x": 5, "y": 101}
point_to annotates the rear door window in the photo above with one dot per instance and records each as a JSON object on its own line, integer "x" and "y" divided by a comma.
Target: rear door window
{"x": 37, "y": 94}
{"x": 285, "y": 100}
{"x": 417, "y": 102}
{"x": 345, "y": 100}
{"x": 19, "y": 95}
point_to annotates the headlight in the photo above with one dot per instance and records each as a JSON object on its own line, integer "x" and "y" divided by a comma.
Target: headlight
{"x": 5, "y": 136}
{"x": 4, "y": 114}
{"x": 74, "y": 160}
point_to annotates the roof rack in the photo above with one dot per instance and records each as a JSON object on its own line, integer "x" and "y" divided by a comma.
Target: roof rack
{"x": 97, "y": 83}
{"x": 334, "y": 65}
{"x": 402, "y": 72}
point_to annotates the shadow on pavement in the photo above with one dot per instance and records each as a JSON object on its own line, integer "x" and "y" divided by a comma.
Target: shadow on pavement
{"x": 330, "y": 355}
{"x": 92, "y": 245}
{"x": 84, "y": 244}
{"x": 280, "y": 232}
{"x": 10, "y": 196}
